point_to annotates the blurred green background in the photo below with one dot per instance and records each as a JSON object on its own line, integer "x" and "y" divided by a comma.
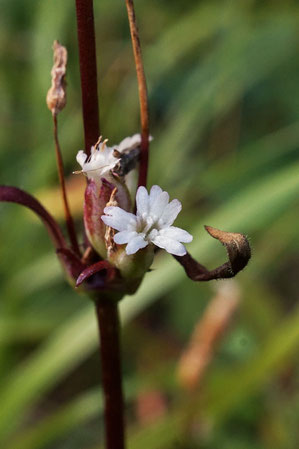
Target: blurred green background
{"x": 223, "y": 81}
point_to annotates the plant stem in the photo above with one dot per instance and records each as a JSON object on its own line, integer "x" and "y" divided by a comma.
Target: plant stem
{"x": 108, "y": 322}
{"x": 68, "y": 216}
{"x": 142, "y": 89}
{"x": 88, "y": 71}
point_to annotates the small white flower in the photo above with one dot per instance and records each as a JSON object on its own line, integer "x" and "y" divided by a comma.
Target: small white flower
{"x": 101, "y": 160}
{"x": 151, "y": 224}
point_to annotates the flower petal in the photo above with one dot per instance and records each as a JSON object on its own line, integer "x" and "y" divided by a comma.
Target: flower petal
{"x": 159, "y": 204}
{"x": 142, "y": 201}
{"x": 171, "y": 246}
{"x": 129, "y": 142}
{"x": 171, "y": 211}
{"x": 154, "y": 193}
{"x": 135, "y": 244}
{"x": 81, "y": 158}
{"x": 118, "y": 218}
{"x": 176, "y": 234}
{"x": 124, "y": 237}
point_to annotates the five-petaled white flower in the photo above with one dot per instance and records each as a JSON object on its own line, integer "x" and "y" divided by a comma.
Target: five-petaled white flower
{"x": 151, "y": 224}
{"x": 102, "y": 160}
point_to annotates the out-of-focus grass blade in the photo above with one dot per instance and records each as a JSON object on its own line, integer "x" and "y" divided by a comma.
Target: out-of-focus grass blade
{"x": 186, "y": 34}
{"x": 231, "y": 172}
{"x": 281, "y": 344}
{"x": 54, "y": 426}
{"x": 62, "y": 352}
{"x": 24, "y": 329}
{"x": 74, "y": 341}
{"x": 217, "y": 83}
{"x": 87, "y": 406}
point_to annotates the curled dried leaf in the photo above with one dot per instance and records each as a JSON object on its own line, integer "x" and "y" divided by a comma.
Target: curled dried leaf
{"x": 238, "y": 250}
{"x": 56, "y": 97}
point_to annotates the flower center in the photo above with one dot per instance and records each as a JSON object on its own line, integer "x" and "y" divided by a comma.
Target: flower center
{"x": 148, "y": 225}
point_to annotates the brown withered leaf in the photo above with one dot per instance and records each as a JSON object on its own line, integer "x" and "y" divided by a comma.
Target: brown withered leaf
{"x": 238, "y": 250}
{"x": 56, "y": 97}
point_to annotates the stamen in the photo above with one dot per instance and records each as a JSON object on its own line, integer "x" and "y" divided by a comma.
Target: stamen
{"x": 98, "y": 142}
{"x": 104, "y": 145}
{"x": 78, "y": 172}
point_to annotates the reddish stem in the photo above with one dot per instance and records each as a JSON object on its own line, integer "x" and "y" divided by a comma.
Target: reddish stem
{"x": 108, "y": 322}
{"x": 88, "y": 71}
{"x": 142, "y": 89}
{"x": 68, "y": 216}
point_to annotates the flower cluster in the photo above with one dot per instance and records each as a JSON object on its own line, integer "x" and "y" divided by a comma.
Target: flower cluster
{"x": 151, "y": 224}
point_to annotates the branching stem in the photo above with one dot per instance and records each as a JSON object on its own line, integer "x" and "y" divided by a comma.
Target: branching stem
{"x": 142, "y": 89}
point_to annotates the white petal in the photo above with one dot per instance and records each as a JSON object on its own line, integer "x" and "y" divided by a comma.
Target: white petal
{"x": 159, "y": 204}
{"x": 135, "y": 244}
{"x": 124, "y": 237}
{"x": 81, "y": 157}
{"x": 142, "y": 201}
{"x": 119, "y": 219}
{"x": 171, "y": 212}
{"x": 170, "y": 245}
{"x": 129, "y": 142}
{"x": 154, "y": 193}
{"x": 116, "y": 211}
{"x": 176, "y": 234}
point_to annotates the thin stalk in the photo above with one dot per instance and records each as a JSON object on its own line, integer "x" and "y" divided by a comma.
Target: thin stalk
{"x": 108, "y": 322}
{"x": 88, "y": 71}
{"x": 142, "y": 89}
{"x": 68, "y": 216}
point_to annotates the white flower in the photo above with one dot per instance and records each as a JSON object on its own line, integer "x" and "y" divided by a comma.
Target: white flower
{"x": 151, "y": 224}
{"x": 101, "y": 160}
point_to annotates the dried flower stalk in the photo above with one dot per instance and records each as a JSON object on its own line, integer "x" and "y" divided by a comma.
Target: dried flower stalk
{"x": 56, "y": 101}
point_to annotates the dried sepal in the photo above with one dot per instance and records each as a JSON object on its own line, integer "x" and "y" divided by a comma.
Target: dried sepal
{"x": 238, "y": 250}
{"x": 56, "y": 97}
{"x": 110, "y": 232}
